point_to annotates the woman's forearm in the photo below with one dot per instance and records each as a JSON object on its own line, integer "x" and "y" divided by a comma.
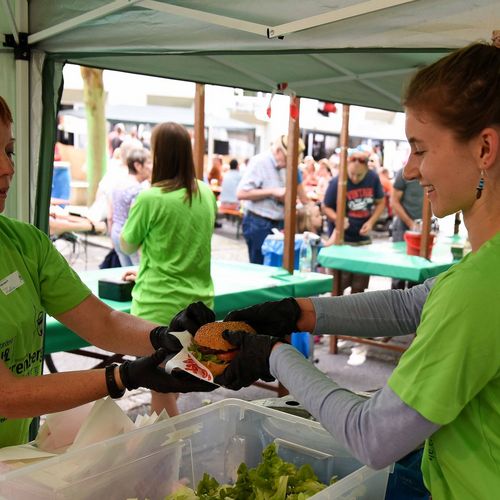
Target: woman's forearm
{"x": 366, "y": 428}
{"x": 384, "y": 313}
{"x": 109, "y": 329}
{"x": 22, "y": 397}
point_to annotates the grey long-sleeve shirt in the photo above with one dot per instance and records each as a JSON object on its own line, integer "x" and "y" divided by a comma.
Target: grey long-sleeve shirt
{"x": 385, "y": 313}
{"x": 376, "y": 431}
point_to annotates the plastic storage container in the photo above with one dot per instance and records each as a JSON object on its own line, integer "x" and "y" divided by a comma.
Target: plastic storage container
{"x": 149, "y": 462}
{"x": 272, "y": 250}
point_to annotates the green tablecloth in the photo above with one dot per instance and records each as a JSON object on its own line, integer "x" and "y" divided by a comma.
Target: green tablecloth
{"x": 389, "y": 259}
{"x": 236, "y": 285}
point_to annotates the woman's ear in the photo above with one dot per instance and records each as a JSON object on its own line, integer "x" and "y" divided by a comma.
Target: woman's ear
{"x": 488, "y": 147}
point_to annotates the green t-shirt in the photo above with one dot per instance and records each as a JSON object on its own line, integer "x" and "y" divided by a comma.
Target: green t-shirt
{"x": 34, "y": 279}
{"x": 175, "y": 240}
{"x": 451, "y": 376}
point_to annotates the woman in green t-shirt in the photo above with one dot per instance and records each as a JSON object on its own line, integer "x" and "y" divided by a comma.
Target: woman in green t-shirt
{"x": 446, "y": 388}
{"x": 172, "y": 224}
{"x": 36, "y": 279}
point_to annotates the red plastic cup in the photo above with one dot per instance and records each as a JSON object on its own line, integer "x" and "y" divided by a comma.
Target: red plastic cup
{"x": 412, "y": 239}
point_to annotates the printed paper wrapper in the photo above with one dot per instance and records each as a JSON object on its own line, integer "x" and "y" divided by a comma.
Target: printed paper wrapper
{"x": 185, "y": 361}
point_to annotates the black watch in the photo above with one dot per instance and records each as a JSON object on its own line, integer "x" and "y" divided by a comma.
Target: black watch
{"x": 113, "y": 390}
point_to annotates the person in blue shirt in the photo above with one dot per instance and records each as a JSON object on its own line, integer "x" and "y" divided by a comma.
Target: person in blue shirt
{"x": 262, "y": 188}
{"x": 230, "y": 181}
{"x": 364, "y": 204}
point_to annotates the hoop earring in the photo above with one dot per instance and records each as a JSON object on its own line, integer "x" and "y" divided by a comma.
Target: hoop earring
{"x": 480, "y": 186}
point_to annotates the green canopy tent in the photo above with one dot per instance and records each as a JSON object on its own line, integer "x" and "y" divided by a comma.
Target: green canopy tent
{"x": 356, "y": 52}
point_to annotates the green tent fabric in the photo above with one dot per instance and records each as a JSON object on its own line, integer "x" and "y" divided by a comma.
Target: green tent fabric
{"x": 356, "y": 52}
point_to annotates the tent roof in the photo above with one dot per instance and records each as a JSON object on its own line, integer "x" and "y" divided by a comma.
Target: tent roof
{"x": 335, "y": 50}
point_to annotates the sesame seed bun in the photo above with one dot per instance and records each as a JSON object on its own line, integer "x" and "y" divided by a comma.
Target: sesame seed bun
{"x": 210, "y": 334}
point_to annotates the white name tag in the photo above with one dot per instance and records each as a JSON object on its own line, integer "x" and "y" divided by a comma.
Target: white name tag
{"x": 11, "y": 282}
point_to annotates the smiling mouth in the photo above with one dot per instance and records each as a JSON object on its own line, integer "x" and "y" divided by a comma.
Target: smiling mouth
{"x": 3, "y": 191}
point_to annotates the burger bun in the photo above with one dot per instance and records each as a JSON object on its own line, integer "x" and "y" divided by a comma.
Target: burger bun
{"x": 210, "y": 334}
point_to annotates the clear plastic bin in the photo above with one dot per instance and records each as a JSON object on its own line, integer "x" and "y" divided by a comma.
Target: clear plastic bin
{"x": 149, "y": 462}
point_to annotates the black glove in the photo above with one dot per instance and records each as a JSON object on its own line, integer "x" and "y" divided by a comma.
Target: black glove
{"x": 252, "y": 361}
{"x": 145, "y": 372}
{"x": 190, "y": 319}
{"x": 278, "y": 318}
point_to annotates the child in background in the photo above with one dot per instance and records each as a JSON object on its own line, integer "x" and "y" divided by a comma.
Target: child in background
{"x": 310, "y": 219}
{"x": 324, "y": 176}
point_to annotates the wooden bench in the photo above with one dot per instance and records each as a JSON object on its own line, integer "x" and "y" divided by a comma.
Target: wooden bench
{"x": 234, "y": 215}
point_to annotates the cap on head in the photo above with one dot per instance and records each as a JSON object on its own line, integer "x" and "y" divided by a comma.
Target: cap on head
{"x": 282, "y": 143}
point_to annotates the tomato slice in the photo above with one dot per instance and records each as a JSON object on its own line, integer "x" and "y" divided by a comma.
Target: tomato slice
{"x": 227, "y": 356}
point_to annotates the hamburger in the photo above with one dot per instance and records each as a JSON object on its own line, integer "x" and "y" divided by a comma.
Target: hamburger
{"x": 211, "y": 349}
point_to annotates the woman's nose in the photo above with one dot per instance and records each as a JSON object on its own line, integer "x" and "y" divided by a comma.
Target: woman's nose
{"x": 411, "y": 170}
{"x": 6, "y": 167}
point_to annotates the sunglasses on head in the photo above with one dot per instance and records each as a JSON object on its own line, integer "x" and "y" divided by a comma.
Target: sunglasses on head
{"x": 360, "y": 159}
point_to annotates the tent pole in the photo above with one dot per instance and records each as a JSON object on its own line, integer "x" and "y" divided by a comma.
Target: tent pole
{"x": 217, "y": 20}
{"x": 22, "y": 123}
{"x": 210, "y": 149}
{"x": 342, "y": 181}
{"x": 105, "y": 10}
{"x": 199, "y": 129}
{"x": 456, "y": 225}
{"x": 292, "y": 159}
{"x": 341, "y": 197}
{"x": 339, "y": 14}
{"x": 426, "y": 228}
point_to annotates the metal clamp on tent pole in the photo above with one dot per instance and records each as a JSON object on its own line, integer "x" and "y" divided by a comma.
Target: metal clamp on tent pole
{"x": 21, "y": 49}
{"x": 270, "y": 34}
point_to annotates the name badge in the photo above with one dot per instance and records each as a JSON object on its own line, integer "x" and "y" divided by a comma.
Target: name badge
{"x": 11, "y": 282}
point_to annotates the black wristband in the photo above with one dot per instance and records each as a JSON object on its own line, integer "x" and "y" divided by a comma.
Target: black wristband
{"x": 113, "y": 390}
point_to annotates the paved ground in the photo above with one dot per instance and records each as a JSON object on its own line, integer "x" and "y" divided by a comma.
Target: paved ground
{"x": 358, "y": 368}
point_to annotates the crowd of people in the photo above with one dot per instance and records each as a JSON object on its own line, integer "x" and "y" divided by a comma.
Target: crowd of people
{"x": 144, "y": 193}
{"x": 374, "y": 200}
{"x": 255, "y": 189}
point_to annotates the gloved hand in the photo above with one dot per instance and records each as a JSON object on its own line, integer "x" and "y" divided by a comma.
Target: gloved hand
{"x": 145, "y": 372}
{"x": 278, "y": 318}
{"x": 252, "y": 361}
{"x": 195, "y": 315}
